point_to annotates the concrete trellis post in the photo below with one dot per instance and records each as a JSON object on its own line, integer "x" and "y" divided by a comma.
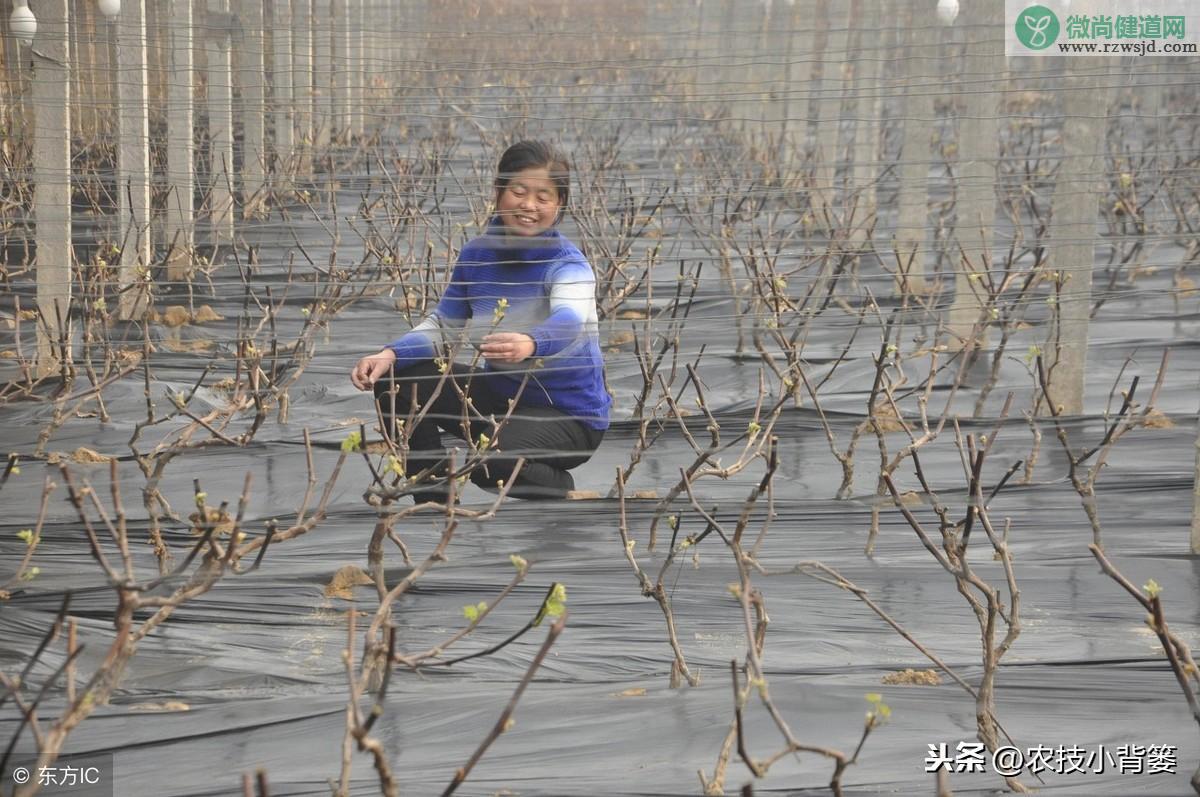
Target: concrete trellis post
{"x": 220, "y": 120}
{"x": 356, "y": 20}
{"x": 400, "y": 32}
{"x": 94, "y": 78}
{"x": 759, "y": 55}
{"x": 82, "y": 29}
{"x": 830, "y": 50}
{"x": 366, "y": 28}
{"x": 1072, "y": 249}
{"x": 343, "y": 71}
{"x": 770, "y": 80}
{"x": 978, "y": 148}
{"x": 391, "y": 38}
{"x": 741, "y": 45}
{"x": 792, "y": 78}
{"x": 284, "y": 102}
{"x": 913, "y": 214}
{"x": 133, "y": 160}
{"x": 378, "y": 40}
{"x": 251, "y": 107}
{"x": 302, "y": 81}
{"x": 181, "y": 177}
{"x": 52, "y": 183}
{"x": 868, "y": 102}
{"x": 753, "y": 97}
{"x": 696, "y": 48}
{"x": 726, "y": 47}
{"x": 322, "y": 73}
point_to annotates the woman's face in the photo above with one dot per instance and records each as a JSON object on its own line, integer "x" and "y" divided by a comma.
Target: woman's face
{"x": 528, "y": 205}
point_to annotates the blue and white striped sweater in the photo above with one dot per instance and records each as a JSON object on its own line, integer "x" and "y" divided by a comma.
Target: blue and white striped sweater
{"x": 550, "y": 292}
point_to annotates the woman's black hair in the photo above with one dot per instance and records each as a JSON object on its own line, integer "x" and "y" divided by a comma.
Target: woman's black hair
{"x": 534, "y": 155}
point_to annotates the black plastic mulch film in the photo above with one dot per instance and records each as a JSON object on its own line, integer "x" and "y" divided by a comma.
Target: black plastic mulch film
{"x": 250, "y": 675}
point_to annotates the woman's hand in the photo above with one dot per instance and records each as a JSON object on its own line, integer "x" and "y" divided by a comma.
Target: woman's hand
{"x": 506, "y": 347}
{"x": 372, "y": 368}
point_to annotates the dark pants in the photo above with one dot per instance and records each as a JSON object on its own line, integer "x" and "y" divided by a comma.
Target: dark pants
{"x": 550, "y": 441}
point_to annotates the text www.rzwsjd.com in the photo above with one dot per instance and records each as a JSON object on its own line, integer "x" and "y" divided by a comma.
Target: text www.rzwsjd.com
{"x": 1130, "y": 48}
